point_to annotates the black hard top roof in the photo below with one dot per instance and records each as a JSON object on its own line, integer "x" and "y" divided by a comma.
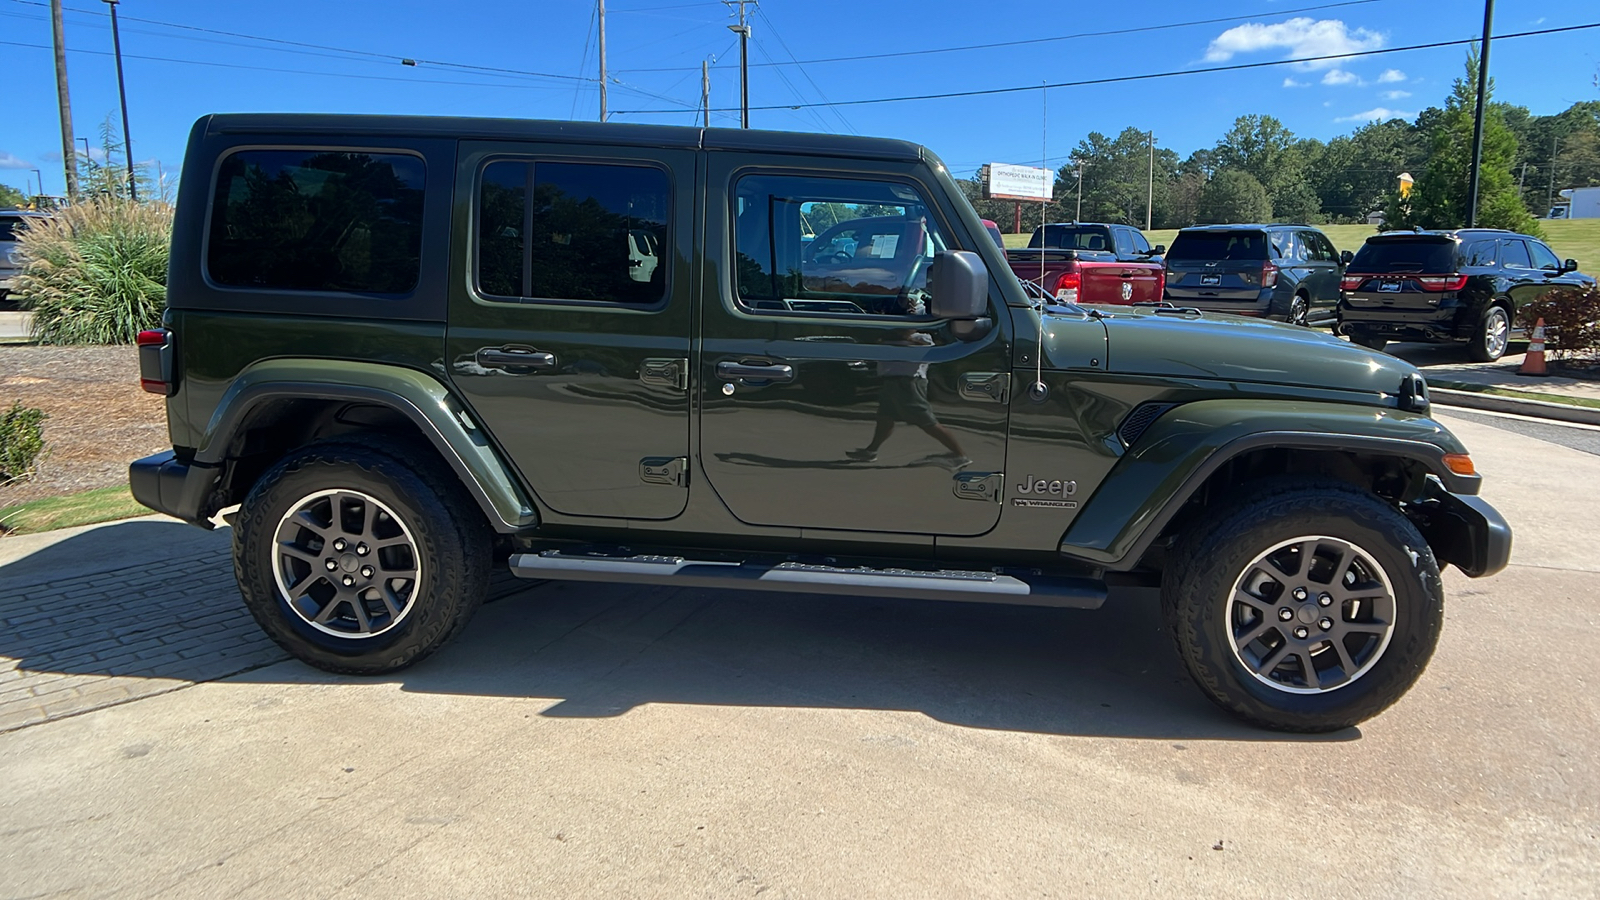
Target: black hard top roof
{"x": 619, "y": 133}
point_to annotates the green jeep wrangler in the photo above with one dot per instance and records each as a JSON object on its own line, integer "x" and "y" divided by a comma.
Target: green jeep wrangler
{"x": 410, "y": 349}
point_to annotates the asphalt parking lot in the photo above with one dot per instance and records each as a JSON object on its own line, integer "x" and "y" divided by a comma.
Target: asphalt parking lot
{"x": 586, "y": 740}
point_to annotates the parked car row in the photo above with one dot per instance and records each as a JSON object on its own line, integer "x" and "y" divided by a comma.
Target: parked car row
{"x": 1462, "y": 286}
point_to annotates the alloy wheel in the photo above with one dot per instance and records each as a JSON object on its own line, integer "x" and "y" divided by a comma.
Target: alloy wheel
{"x": 346, "y": 563}
{"x": 1310, "y": 615}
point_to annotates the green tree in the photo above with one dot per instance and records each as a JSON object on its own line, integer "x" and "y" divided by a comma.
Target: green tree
{"x": 1357, "y": 172}
{"x": 11, "y": 197}
{"x": 1439, "y": 199}
{"x": 1234, "y": 196}
{"x": 1117, "y": 184}
{"x": 1263, "y": 148}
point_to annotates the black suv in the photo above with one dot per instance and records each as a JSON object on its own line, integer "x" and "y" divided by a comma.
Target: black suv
{"x": 1284, "y": 272}
{"x": 1461, "y": 286}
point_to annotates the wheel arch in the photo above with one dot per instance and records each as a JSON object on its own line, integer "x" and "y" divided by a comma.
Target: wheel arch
{"x": 278, "y": 406}
{"x": 1191, "y": 457}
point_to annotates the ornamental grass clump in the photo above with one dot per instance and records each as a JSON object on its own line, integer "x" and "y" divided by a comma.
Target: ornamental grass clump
{"x": 95, "y": 273}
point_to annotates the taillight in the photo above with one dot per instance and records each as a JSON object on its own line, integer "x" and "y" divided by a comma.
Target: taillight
{"x": 1437, "y": 283}
{"x": 155, "y": 366}
{"x": 1067, "y": 285}
{"x": 1351, "y": 282}
{"x": 1269, "y": 275}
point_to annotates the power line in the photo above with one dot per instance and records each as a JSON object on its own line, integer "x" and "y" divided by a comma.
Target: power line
{"x": 1119, "y": 79}
{"x": 1065, "y": 37}
{"x": 807, "y": 75}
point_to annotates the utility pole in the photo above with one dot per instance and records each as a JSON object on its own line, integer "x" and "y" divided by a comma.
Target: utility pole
{"x": 69, "y": 152}
{"x": 743, "y": 31}
{"x": 122, "y": 91}
{"x": 602, "y": 18}
{"x": 1078, "y": 216}
{"x": 1150, "y": 196}
{"x": 1550, "y": 198}
{"x": 1477, "y": 122}
{"x": 705, "y": 91}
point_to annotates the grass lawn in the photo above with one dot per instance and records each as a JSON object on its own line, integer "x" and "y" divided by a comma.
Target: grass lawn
{"x": 1577, "y": 239}
{"x": 84, "y": 508}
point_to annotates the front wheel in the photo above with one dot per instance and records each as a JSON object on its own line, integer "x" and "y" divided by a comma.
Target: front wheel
{"x": 1493, "y": 335}
{"x": 361, "y": 559}
{"x": 1307, "y": 606}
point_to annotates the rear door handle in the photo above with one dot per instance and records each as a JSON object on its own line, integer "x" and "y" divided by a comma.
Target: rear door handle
{"x": 754, "y": 371}
{"x": 515, "y": 358}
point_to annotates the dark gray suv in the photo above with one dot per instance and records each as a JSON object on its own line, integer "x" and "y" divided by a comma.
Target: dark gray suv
{"x": 1284, "y": 272}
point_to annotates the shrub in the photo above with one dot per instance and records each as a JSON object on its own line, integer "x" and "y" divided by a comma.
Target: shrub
{"x": 1572, "y": 320}
{"x": 21, "y": 441}
{"x": 95, "y": 273}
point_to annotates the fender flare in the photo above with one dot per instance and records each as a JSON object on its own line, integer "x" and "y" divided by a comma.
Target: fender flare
{"x": 422, "y": 398}
{"x": 1175, "y": 456}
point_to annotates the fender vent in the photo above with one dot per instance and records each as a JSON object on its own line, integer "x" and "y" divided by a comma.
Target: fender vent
{"x": 1141, "y": 418}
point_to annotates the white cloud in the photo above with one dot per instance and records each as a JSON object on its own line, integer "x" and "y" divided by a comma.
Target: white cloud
{"x": 1377, "y": 114}
{"x": 7, "y": 161}
{"x": 1396, "y": 95}
{"x": 1391, "y": 76}
{"x": 1302, "y": 37}
{"x": 1339, "y": 77}
{"x": 1291, "y": 83}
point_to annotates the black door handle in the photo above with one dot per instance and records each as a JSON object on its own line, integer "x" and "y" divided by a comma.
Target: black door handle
{"x": 515, "y": 358}
{"x": 755, "y": 372}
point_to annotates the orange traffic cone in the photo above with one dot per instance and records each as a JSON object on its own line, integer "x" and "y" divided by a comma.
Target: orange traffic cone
{"x": 1533, "y": 363}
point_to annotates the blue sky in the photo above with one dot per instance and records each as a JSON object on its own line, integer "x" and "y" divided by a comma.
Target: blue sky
{"x": 176, "y": 75}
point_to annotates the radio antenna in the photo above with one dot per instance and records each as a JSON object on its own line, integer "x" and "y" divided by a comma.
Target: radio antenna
{"x": 1038, "y": 390}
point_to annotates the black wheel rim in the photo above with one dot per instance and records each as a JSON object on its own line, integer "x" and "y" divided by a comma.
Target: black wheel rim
{"x": 346, "y": 564}
{"x": 1299, "y": 313}
{"x": 1310, "y": 615}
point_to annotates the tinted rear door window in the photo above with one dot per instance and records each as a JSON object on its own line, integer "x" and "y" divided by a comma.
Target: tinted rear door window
{"x": 317, "y": 220}
{"x": 1206, "y": 245}
{"x": 595, "y": 231}
{"x": 1417, "y": 257}
{"x": 1514, "y": 255}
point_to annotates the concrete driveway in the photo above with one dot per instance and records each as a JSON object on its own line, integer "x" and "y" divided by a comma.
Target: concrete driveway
{"x": 597, "y": 741}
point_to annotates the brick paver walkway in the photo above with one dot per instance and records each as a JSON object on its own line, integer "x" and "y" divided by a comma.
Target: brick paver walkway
{"x": 73, "y": 645}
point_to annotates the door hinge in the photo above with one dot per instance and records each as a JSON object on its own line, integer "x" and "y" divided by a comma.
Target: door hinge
{"x": 668, "y": 373}
{"x": 673, "y": 470}
{"x": 990, "y": 386}
{"x": 980, "y": 486}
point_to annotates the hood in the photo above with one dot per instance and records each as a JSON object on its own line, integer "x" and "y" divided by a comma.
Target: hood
{"x": 1237, "y": 349}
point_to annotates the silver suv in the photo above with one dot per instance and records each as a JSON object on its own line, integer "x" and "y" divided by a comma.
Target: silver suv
{"x": 10, "y": 255}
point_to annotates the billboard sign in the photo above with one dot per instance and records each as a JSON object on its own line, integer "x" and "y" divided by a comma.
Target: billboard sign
{"x": 1002, "y": 181}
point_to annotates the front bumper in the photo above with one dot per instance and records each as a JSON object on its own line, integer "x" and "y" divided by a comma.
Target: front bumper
{"x": 1462, "y": 529}
{"x": 167, "y": 485}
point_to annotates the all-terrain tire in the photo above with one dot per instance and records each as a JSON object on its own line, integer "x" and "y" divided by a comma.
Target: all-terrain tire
{"x": 451, "y": 539}
{"x": 1215, "y": 556}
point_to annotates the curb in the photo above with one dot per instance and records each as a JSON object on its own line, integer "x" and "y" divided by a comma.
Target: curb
{"x": 1540, "y": 409}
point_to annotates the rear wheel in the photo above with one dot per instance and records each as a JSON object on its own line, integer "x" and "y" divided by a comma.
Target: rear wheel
{"x": 1493, "y": 335}
{"x": 1299, "y": 311}
{"x": 1310, "y": 605}
{"x": 361, "y": 559}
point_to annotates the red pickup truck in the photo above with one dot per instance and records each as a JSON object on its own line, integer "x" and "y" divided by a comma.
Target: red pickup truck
{"x": 1082, "y": 262}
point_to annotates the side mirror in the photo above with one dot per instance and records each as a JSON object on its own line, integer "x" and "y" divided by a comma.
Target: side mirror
{"x": 1157, "y": 250}
{"x": 1345, "y": 257}
{"x": 959, "y": 283}
{"x": 1570, "y": 265}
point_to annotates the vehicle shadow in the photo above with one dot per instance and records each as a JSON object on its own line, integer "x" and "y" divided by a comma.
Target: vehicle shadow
{"x": 601, "y": 650}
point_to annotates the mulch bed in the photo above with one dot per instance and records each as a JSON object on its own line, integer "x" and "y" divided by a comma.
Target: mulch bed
{"x": 99, "y": 418}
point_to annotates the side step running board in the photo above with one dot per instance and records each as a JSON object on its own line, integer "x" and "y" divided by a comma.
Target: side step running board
{"x": 972, "y": 587}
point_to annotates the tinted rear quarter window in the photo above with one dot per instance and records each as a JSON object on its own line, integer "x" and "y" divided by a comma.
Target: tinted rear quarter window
{"x": 317, "y": 220}
{"x": 1479, "y": 253}
{"x": 1406, "y": 256}
{"x": 9, "y": 226}
{"x": 1218, "y": 245}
